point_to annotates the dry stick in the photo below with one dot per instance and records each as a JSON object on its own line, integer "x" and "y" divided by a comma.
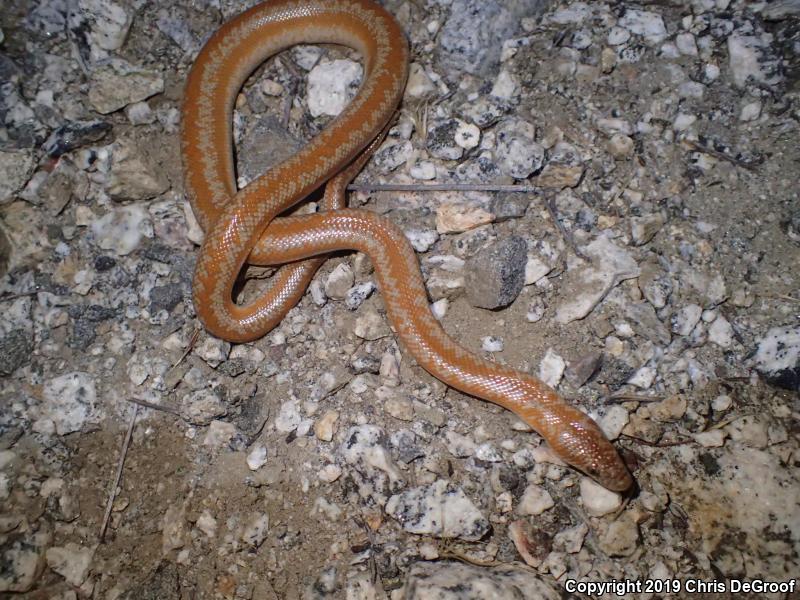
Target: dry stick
{"x": 189, "y": 348}
{"x": 441, "y": 187}
{"x": 634, "y": 398}
{"x": 162, "y": 407}
{"x": 123, "y": 454}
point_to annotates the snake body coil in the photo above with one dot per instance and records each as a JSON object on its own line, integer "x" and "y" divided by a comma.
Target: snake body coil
{"x": 243, "y": 226}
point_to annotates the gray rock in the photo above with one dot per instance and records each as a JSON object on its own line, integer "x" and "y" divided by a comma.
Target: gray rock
{"x": 22, "y": 558}
{"x": 440, "y": 510}
{"x": 69, "y": 401}
{"x": 471, "y": 38}
{"x": 15, "y": 351}
{"x": 778, "y": 357}
{"x": 442, "y": 140}
{"x": 119, "y": 83}
{"x": 509, "y": 206}
{"x": 518, "y": 154}
{"x": 496, "y": 275}
{"x": 458, "y": 581}
{"x": 15, "y": 170}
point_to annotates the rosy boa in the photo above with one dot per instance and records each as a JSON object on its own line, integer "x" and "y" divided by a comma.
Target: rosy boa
{"x": 242, "y": 226}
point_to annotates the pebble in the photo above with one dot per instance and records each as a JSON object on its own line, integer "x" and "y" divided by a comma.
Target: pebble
{"x": 23, "y": 560}
{"x": 713, "y": 438}
{"x": 467, "y": 135}
{"x": 219, "y": 434}
{"x": 495, "y": 276}
{"x": 255, "y": 532}
{"x": 750, "y": 111}
{"x": 329, "y": 473}
{"x": 207, "y": 524}
{"x": 535, "y": 500}
{"x": 644, "y": 229}
{"x": 750, "y": 60}
{"x": 620, "y": 146}
{"x": 617, "y": 36}
{"x": 289, "y": 417}
{"x": 621, "y": 537}
{"x": 70, "y": 402}
{"x": 571, "y": 540}
{"x": 460, "y": 446}
{"x": 614, "y": 421}
{"x": 122, "y": 230}
{"x": 597, "y": 500}
{"x": 451, "y": 580}
{"x": 419, "y": 84}
{"x": 564, "y": 169}
{"x": 650, "y": 25}
{"x": 441, "y": 141}
{"x": 339, "y": 282}
{"x": 684, "y": 321}
{"x": 118, "y": 83}
{"x": 552, "y": 367}
{"x": 750, "y": 431}
{"x": 491, "y": 344}
{"x": 16, "y": 169}
{"x": 257, "y": 457}
{"x": 374, "y": 472}
{"x": 721, "y": 332}
{"x": 517, "y": 153}
{"x": 213, "y": 351}
{"x": 201, "y": 407}
{"x": 325, "y": 427}
{"x": 371, "y": 326}
{"x": 356, "y": 295}
{"x": 440, "y": 510}
{"x": 71, "y": 561}
{"x": 460, "y": 217}
{"x": 331, "y": 86}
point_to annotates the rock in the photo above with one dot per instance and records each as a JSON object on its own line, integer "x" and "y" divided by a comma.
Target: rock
{"x": 496, "y": 275}
{"x": 778, "y": 357}
{"x": 173, "y": 528}
{"x": 713, "y": 438}
{"x": 73, "y": 135}
{"x": 597, "y": 500}
{"x": 588, "y": 285}
{"x": 70, "y": 402}
{"x": 621, "y": 538}
{"x": 370, "y": 325}
{"x": 440, "y": 510}
{"x": 331, "y": 86}
{"x": 441, "y": 141}
{"x": 671, "y": 409}
{"x": 532, "y": 544}
{"x": 517, "y": 153}
{"x": 419, "y": 84}
{"x": 720, "y": 332}
{"x": 552, "y": 368}
{"x": 467, "y": 135}
{"x": 134, "y": 175}
{"x": 751, "y": 60}
{"x": 16, "y": 169}
{"x": 749, "y": 431}
{"x": 422, "y": 239}
{"x": 492, "y": 344}
{"x": 564, "y": 169}
{"x": 472, "y": 36}
{"x": 339, "y": 281}
{"x": 118, "y": 83}
{"x": 104, "y": 24}
{"x": 571, "y": 540}
{"x": 458, "y": 217}
{"x": 16, "y": 347}
{"x": 213, "y": 351}
{"x": 121, "y": 230}
{"x": 289, "y": 417}
{"x": 655, "y": 285}
{"x": 614, "y": 421}
{"x": 325, "y": 427}
{"x": 357, "y": 294}
{"x": 23, "y": 559}
{"x": 207, "y": 524}
{"x": 750, "y": 111}
{"x": 392, "y": 155}
{"x": 219, "y": 434}
{"x": 620, "y": 146}
{"x": 644, "y": 229}
{"x": 201, "y": 407}
{"x": 373, "y": 471}
{"x": 458, "y": 581}
{"x": 535, "y": 501}
{"x": 649, "y": 25}
{"x": 71, "y": 561}
{"x": 257, "y": 457}
{"x": 255, "y": 532}
{"x": 684, "y": 321}
{"x": 509, "y": 206}
{"x": 458, "y": 445}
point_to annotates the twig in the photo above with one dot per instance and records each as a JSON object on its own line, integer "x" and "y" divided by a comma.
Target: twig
{"x": 441, "y": 187}
{"x": 189, "y": 348}
{"x": 657, "y": 444}
{"x": 721, "y": 155}
{"x": 8, "y": 297}
{"x": 162, "y": 407}
{"x": 634, "y": 398}
{"x": 123, "y": 454}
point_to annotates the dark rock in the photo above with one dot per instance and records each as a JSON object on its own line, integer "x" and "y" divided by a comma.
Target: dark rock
{"x": 496, "y": 275}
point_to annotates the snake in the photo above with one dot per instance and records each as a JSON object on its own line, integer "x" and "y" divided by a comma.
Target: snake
{"x": 253, "y": 225}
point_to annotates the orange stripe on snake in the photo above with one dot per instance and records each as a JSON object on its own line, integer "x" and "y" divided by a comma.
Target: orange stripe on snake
{"x": 242, "y": 226}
